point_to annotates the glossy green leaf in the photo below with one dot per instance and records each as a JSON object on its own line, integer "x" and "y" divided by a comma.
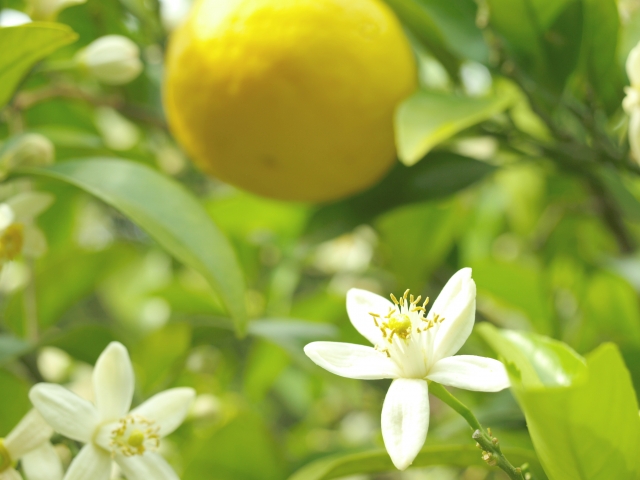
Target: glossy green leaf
{"x": 168, "y": 213}
{"x": 582, "y": 417}
{"x": 439, "y": 175}
{"x": 378, "y": 461}
{"x": 540, "y": 361}
{"x": 23, "y": 46}
{"x": 428, "y": 118}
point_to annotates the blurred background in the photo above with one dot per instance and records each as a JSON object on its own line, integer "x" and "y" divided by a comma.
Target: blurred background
{"x": 550, "y": 231}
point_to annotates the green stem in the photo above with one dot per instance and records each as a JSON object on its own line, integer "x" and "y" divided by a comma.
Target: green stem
{"x": 491, "y": 452}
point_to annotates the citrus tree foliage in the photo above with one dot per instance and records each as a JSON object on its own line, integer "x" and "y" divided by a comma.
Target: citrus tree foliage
{"x": 516, "y": 159}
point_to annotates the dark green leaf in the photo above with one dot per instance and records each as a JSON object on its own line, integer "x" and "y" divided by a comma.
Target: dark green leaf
{"x": 439, "y": 175}
{"x": 169, "y": 213}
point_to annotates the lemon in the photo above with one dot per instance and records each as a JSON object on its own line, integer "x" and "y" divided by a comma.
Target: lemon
{"x": 290, "y": 99}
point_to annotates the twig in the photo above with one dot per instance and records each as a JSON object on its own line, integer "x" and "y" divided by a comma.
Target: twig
{"x": 491, "y": 452}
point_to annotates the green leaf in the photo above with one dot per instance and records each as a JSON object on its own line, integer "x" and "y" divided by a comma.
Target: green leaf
{"x": 420, "y": 22}
{"x": 439, "y": 175}
{"x": 601, "y": 32}
{"x": 243, "y": 449}
{"x": 157, "y": 355}
{"x": 428, "y": 118}
{"x": 378, "y": 461}
{"x": 540, "y": 361}
{"x": 25, "y": 45}
{"x": 83, "y": 342}
{"x": 14, "y": 403}
{"x": 168, "y": 213}
{"x": 583, "y": 419}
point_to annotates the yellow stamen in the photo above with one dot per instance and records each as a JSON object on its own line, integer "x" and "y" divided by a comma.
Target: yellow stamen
{"x": 11, "y": 242}
{"x": 5, "y": 458}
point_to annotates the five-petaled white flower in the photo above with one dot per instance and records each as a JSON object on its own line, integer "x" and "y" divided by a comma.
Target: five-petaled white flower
{"x": 29, "y": 444}
{"x": 109, "y": 429}
{"x": 412, "y": 347}
{"x": 18, "y": 232}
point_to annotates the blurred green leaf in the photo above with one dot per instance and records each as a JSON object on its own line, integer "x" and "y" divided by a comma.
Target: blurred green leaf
{"x": 601, "y": 33}
{"x": 157, "y": 355}
{"x": 241, "y": 450}
{"x": 583, "y": 422}
{"x": 14, "y": 401}
{"x": 292, "y": 335}
{"x": 439, "y": 175}
{"x": 169, "y": 213}
{"x": 519, "y": 286}
{"x": 402, "y": 239}
{"x": 378, "y": 461}
{"x": 428, "y": 118}
{"x": 83, "y": 342}
{"x": 25, "y": 45}
{"x": 624, "y": 199}
{"x": 11, "y": 347}
{"x": 421, "y": 23}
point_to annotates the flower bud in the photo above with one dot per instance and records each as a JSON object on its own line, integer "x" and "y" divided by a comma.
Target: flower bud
{"x": 173, "y": 12}
{"x": 112, "y": 59}
{"x": 117, "y": 132}
{"x": 28, "y": 150}
{"x": 48, "y": 9}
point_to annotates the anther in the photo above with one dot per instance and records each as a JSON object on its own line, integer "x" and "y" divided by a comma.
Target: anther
{"x": 395, "y": 300}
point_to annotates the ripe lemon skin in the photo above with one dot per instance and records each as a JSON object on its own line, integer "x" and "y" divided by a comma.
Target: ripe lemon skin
{"x": 290, "y": 99}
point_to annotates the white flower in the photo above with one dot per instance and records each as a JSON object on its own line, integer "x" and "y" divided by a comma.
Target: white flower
{"x": 13, "y": 18}
{"x": 412, "y": 347}
{"x": 631, "y": 102}
{"x": 112, "y": 432}
{"x": 29, "y": 443}
{"x": 48, "y": 9}
{"x": 112, "y": 59}
{"x": 18, "y": 231}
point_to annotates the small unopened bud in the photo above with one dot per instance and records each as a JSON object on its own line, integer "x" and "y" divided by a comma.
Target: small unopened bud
{"x": 489, "y": 459}
{"x": 28, "y": 150}
{"x": 173, "y": 12}
{"x": 48, "y": 9}
{"x": 495, "y": 441}
{"x": 117, "y": 132}
{"x": 112, "y": 59}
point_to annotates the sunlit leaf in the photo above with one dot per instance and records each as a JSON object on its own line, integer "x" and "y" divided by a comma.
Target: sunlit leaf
{"x": 23, "y": 46}
{"x": 378, "y": 461}
{"x": 583, "y": 420}
{"x": 428, "y": 118}
{"x": 168, "y": 212}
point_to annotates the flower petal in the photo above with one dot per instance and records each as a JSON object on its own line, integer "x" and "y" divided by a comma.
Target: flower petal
{"x": 405, "y": 420}
{"x": 43, "y": 463}
{"x": 67, "y": 413}
{"x": 35, "y": 243}
{"x": 479, "y": 374}
{"x": 31, "y": 432}
{"x": 6, "y": 216}
{"x": 28, "y": 205}
{"x": 634, "y": 134}
{"x": 92, "y": 463}
{"x": 10, "y": 474}
{"x": 633, "y": 66}
{"x": 359, "y": 304}
{"x": 457, "y": 305}
{"x": 167, "y": 409}
{"x": 352, "y": 361}
{"x": 113, "y": 382}
{"x": 146, "y": 467}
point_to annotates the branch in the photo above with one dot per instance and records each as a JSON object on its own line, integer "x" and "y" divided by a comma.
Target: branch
{"x": 491, "y": 452}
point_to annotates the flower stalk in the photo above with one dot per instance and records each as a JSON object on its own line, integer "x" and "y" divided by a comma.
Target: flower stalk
{"x": 491, "y": 451}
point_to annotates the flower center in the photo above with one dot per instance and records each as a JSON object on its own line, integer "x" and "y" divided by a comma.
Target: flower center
{"x": 134, "y": 436}
{"x": 5, "y": 458}
{"x": 11, "y": 241}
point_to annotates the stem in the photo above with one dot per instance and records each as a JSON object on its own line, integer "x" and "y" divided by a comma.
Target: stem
{"x": 31, "y": 305}
{"x": 491, "y": 452}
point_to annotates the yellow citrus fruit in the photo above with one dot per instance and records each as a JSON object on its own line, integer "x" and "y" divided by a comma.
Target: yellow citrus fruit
{"x": 291, "y": 99}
